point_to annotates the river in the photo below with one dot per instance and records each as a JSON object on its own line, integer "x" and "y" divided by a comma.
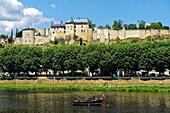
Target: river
{"x": 61, "y": 102}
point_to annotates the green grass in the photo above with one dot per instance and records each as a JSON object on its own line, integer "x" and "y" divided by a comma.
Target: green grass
{"x": 89, "y": 88}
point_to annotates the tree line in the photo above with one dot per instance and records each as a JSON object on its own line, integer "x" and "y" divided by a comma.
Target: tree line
{"x": 118, "y": 25}
{"x": 130, "y": 57}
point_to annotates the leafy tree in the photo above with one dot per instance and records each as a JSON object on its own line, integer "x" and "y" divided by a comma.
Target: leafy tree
{"x": 75, "y": 38}
{"x": 32, "y": 59}
{"x": 19, "y": 34}
{"x": 132, "y": 26}
{"x": 3, "y": 36}
{"x": 142, "y": 24}
{"x": 117, "y": 25}
{"x": 165, "y": 27}
{"x": 156, "y": 25}
{"x": 91, "y": 25}
{"x": 100, "y": 27}
{"x": 71, "y": 63}
{"x": 107, "y": 26}
{"x": 48, "y": 60}
{"x": 125, "y": 26}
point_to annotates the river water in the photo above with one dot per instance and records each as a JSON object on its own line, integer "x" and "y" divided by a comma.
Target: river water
{"x": 61, "y": 102}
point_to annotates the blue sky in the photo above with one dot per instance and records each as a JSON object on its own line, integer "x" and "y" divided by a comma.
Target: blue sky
{"x": 103, "y": 12}
{"x": 39, "y": 13}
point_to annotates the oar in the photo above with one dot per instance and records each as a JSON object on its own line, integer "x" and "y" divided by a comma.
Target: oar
{"x": 76, "y": 95}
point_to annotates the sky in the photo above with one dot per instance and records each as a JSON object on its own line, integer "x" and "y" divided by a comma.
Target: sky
{"x": 39, "y": 13}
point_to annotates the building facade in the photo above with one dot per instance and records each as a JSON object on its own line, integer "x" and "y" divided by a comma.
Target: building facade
{"x": 67, "y": 31}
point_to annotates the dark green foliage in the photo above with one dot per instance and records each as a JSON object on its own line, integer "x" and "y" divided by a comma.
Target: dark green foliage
{"x": 107, "y": 26}
{"x": 117, "y": 25}
{"x": 129, "y": 57}
{"x": 132, "y": 26}
{"x": 91, "y": 25}
{"x": 3, "y": 36}
{"x": 142, "y": 24}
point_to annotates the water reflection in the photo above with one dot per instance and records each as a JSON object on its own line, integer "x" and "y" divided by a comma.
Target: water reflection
{"x": 61, "y": 102}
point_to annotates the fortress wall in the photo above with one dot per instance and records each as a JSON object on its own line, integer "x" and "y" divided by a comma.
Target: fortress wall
{"x": 27, "y": 41}
{"x": 89, "y": 35}
{"x": 17, "y": 41}
{"x": 154, "y": 32}
{"x": 164, "y": 32}
{"x": 147, "y": 33}
{"x": 122, "y": 34}
{"x": 113, "y": 34}
{"x": 39, "y": 40}
{"x": 142, "y": 34}
{"x": 132, "y": 33}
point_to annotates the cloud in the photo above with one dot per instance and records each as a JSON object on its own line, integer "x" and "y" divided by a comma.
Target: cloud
{"x": 13, "y": 14}
{"x": 53, "y": 6}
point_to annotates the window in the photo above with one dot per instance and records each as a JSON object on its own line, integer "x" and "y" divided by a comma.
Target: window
{"x": 74, "y": 30}
{"x": 81, "y": 30}
{"x": 81, "y": 26}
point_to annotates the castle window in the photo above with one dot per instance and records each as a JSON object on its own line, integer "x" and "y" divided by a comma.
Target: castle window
{"x": 74, "y": 30}
{"x": 81, "y": 26}
{"x": 82, "y": 31}
{"x": 53, "y": 32}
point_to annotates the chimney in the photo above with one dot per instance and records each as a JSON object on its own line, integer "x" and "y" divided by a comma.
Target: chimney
{"x": 61, "y": 22}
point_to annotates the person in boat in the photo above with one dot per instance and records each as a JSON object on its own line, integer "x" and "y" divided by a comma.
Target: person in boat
{"x": 94, "y": 98}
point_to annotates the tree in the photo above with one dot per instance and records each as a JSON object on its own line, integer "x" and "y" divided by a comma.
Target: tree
{"x": 100, "y": 27}
{"x": 125, "y": 26}
{"x": 47, "y": 59}
{"x": 81, "y": 41}
{"x": 165, "y": 27}
{"x": 10, "y": 39}
{"x": 107, "y": 26}
{"x": 132, "y": 26}
{"x": 75, "y": 38}
{"x": 18, "y": 33}
{"x": 117, "y": 25}
{"x": 3, "y": 36}
{"x": 156, "y": 25}
{"x": 142, "y": 24}
{"x": 91, "y": 25}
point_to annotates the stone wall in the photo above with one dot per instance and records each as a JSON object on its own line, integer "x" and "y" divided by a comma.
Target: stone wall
{"x": 100, "y": 34}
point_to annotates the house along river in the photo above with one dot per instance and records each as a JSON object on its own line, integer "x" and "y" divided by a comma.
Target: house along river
{"x": 61, "y": 102}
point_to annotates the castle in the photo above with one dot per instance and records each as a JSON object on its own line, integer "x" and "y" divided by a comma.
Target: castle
{"x": 66, "y": 32}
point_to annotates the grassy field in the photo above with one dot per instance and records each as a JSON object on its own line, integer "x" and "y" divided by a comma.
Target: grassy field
{"x": 135, "y": 85}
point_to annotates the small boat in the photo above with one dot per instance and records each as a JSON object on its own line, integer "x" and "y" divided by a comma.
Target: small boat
{"x": 95, "y": 101}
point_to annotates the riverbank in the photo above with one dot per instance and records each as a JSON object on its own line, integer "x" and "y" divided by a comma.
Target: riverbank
{"x": 135, "y": 85}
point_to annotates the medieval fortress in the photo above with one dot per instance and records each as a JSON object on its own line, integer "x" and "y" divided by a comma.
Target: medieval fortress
{"x": 65, "y": 33}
